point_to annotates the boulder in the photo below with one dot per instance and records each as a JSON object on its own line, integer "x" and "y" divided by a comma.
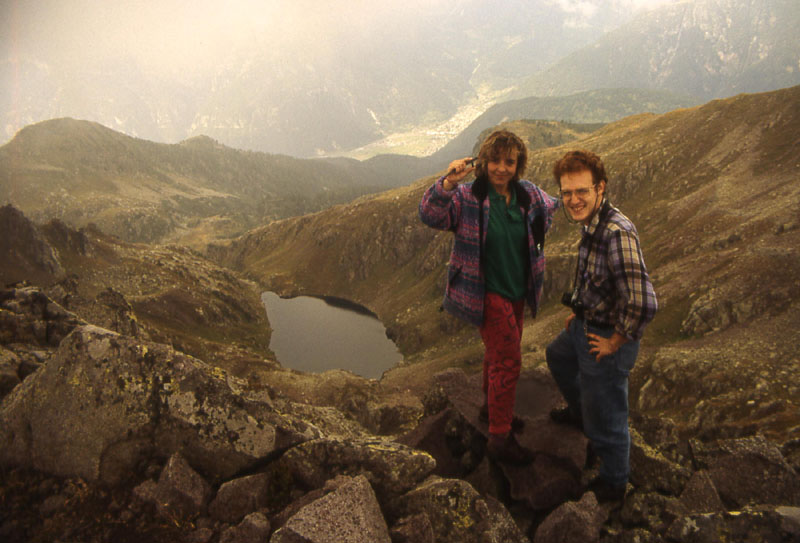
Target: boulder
{"x": 103, "y": 401}
{"x": 254, "y": 528}
{"x": 391, "y": 468}
{"x": 239, "y": 497}
{"x": 700, "y": 495}
{"x": 27, "y": 315}
{"x": 765, "y": 524}
{"x": 350, "y": 513}
{"x": 9, "y": 374}
{"x": 650, "y": 470}
{"x": 573, "y": 521}
{"x": 456, "y": 437}
{"x": 457, "y": 512}
{"x": 181, "y": 493}
{"x": 748, "y": 471}
{"x": 654, "y": 511}
{"x": 413, "y": 529}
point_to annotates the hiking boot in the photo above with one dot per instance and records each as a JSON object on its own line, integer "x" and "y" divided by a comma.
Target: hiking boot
{"x": 504, "y": 448}
{"x": 605, "y": 492}
{"x": 565, "y": 415}
{"x": 517, "y": 424}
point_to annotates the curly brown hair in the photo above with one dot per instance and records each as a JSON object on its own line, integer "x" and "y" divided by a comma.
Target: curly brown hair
{"x": 577, "y": 161}
{"x": 499, "y": 144}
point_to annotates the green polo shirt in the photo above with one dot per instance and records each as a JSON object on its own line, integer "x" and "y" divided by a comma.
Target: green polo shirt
{"x": 506, "y": 248}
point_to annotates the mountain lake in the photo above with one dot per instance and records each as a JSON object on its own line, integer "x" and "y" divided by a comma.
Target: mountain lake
{"x": 319, "y": 334}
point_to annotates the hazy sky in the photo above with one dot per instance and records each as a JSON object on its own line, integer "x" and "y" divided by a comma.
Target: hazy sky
{"x": 176, "y": 34}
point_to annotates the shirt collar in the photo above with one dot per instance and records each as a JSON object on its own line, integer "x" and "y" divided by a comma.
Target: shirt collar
{"x": 593, "y": 224}
{"x": 494, "y": 195}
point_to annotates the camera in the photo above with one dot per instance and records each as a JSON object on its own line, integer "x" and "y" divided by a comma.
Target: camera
{"x": 570, "y": 299}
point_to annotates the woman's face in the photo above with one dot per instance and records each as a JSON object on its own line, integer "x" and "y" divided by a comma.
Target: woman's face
{"x": 501, "y": 169}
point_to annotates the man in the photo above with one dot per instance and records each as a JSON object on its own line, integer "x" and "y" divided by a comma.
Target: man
{"x": 612, "y": 301}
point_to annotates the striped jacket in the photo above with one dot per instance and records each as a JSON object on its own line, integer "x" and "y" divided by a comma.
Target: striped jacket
{"x": 459, "y": 211}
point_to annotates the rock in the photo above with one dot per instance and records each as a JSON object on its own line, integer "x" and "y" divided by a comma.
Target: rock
{"x": 764, "y": 524}
{"x": 26, "y": 253}
{"x": 241, "y": 496}
{"x": 291, "y": 509}
{"x": 390, "y": 467}
{"x": 457, "y": 512}
{"x": 654, "y": 511}
{"x": 413, "y": 529}
{"x": 104, "y": 402}
{"x": 254, "y": 528}
{"x": 428, "y": 436}
{"x": 457, "y": 433}
{"x": 650, "y": 470}
{"x": 9, "y": 376}
{"x": 700, "y": 495}
{"x": 181, "y": 493}
{"x": 27, "y": 315}
{"x": 573, "y": 521}
{"x": 749, "y": 471}
{"x": 350, "y": 513}
{"x": 544, "y": 484}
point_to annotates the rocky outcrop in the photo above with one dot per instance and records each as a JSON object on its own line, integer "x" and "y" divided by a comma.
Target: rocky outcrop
{"x": 104, "y": 401}
{"x": 194, "y": 453}
{"x": 27, "y": 256}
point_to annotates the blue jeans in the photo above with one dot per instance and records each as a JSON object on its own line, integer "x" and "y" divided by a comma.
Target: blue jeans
{"x": 598, "y": 390}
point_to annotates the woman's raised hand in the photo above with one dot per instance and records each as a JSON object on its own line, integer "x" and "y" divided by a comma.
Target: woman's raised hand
{"x": 457, "y": 171}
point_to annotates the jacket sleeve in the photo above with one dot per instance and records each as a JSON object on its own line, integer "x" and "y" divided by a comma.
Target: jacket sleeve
{"x": 439, "y": 208}
{"x": 545, "y": 205}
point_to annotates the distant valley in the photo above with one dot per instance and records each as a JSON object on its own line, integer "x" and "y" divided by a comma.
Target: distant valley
{"x": 411, "y": 90}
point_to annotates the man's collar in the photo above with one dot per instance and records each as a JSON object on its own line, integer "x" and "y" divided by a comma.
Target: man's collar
{"x": 592, "y": 226}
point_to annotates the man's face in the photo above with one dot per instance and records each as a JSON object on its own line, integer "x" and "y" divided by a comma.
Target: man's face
{"x": 580, "y": 196}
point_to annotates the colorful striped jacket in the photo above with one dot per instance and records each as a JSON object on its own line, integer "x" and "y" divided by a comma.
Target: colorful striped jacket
{"x": 459, "y": 211}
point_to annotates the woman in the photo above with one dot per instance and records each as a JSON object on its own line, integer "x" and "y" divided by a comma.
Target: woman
{"x": 496, "y": 265}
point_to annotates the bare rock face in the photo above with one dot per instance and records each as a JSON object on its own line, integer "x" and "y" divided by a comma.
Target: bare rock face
{"x": 349, "y": 513}
{"x": 105, "y": 401}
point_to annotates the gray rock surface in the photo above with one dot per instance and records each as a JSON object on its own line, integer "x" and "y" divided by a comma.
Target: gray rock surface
{"x": 104, "y": 401}
{"x": 350, "y": 514}
{"x": 390, "y": 467}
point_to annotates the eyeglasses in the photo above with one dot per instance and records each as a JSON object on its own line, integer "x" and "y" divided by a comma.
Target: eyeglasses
{"x": 581, "y": 193}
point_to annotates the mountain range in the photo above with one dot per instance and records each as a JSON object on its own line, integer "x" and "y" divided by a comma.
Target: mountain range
{"x": 195, "y": 191}
{"x": 438, "y": 69}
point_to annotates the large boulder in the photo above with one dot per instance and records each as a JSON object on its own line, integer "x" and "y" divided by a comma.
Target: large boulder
{"x": 103, "y": 402}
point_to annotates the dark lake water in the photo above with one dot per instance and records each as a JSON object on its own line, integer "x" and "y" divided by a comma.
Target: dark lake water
{"x": 310, "y": 334}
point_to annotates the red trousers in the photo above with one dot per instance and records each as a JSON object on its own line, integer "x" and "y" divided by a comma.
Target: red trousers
{"x": 501, "y": 332}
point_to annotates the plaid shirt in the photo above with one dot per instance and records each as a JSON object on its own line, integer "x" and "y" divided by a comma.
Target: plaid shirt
{"x": 611, "y": 276}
